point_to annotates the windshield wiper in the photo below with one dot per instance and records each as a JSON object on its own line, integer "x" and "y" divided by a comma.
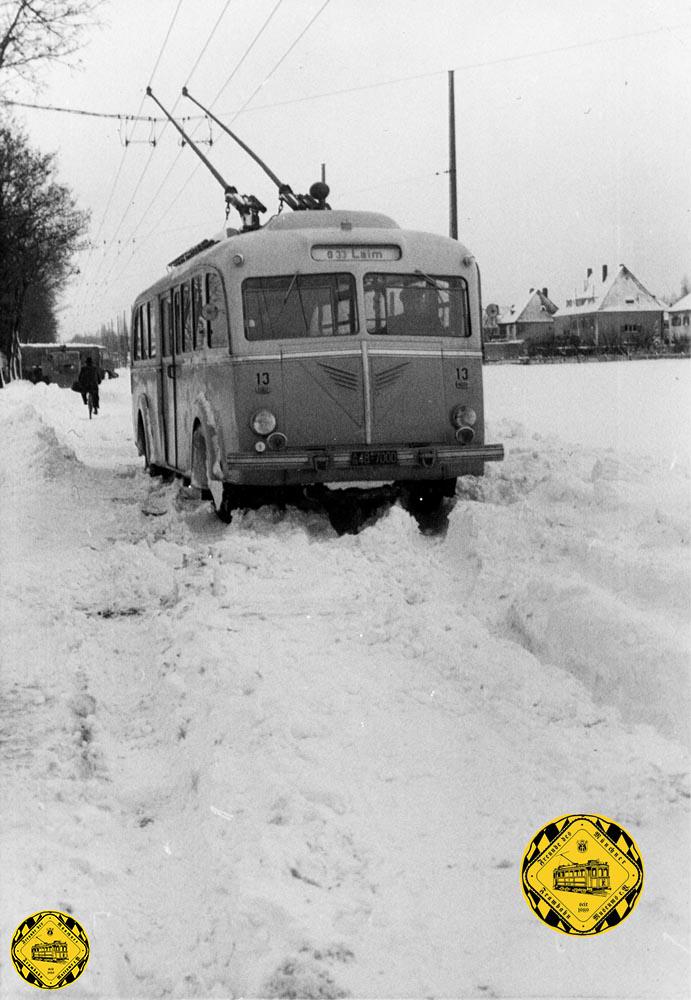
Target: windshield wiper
{"x": 287, "y": 296}
{"x": 290, "y": 287}
{"x": 429, "y": 280}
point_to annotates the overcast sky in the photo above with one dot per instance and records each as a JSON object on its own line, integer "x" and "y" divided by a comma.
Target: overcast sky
{"x": 572, "y": 121}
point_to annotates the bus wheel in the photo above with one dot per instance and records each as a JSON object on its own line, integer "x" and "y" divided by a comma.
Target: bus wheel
{"x": 430, "y": 504}
{"x": 143, "y": 449}
{"x": 142, "y": 443}
{"x": 228, "y": 504}
{"x": 349, "y": 516}
{"x": 199, "y": 475}
{"x": 345, "y": 519}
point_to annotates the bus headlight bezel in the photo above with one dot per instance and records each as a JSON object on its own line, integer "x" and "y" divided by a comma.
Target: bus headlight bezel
{"x": 465, "y": 435}
{"x": 263, "y": 422}
{"x": 277, "y": 441}
{"x": 463, "y": 414}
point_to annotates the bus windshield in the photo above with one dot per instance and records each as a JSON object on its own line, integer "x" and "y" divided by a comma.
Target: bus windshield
{"x": 299, "y": 305}
{"x": 416, "y": 305}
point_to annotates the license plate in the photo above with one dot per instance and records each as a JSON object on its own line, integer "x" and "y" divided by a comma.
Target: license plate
{"x": 374, "y": 458}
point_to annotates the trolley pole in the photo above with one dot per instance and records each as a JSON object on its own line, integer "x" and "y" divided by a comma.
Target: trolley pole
{"x": 453, "y": 204}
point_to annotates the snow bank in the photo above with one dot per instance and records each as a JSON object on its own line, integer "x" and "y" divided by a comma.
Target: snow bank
{"x": 310, "y": 764}
{"x": 632, "y": 407}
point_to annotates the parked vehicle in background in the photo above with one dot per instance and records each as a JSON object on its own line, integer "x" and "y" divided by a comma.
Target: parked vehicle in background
{"x": 60, "y": 363}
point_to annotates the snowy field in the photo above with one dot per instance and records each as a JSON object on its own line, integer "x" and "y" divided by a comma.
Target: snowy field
{"x": 262, "y": 760}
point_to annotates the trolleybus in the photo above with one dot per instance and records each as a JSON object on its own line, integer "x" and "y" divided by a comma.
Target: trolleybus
{"x": 325, "y": 349}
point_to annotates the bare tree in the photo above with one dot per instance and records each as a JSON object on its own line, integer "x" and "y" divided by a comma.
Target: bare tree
{"x": 36, "y": 31}
{"x": 40, "y": 230}
{"x": 39, "y": 320}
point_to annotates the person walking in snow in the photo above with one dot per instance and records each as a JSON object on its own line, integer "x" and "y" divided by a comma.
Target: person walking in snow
{"x": 89, "y": 381}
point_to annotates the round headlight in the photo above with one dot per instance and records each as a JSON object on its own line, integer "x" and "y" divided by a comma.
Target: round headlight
{"x": 463, "y": 414}
{"x": 464, "y": 435}
{"x": 277, "y": 441}
{"x": 263, "y": 422}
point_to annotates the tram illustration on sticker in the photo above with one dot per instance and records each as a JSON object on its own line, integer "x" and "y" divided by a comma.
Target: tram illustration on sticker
{"x": 582, "y": 874}
{"x": 50, "y": 949}
{"x": 591, "y": 876}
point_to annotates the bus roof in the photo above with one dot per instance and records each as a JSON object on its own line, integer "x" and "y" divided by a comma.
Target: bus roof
{"x": 296, "y": 226}
{"x": 337, "y": 219}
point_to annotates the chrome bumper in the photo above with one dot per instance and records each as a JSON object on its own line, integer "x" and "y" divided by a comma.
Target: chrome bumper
{"x": 453, "y": 458}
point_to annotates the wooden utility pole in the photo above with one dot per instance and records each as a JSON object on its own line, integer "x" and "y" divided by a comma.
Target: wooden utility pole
{"x": 453, "y": 205}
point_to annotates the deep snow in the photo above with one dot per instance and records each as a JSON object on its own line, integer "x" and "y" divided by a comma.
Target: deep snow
{"x": 262, "y": 760}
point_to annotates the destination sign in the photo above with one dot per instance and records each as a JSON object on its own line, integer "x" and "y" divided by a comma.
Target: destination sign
{"x": 347, "y": 252}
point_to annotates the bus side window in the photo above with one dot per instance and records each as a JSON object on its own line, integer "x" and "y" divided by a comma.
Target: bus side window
{"x": 177, "y": 319}
{"x": 136, "y": 323}
{"x": 153, "y": 329}
{"x": 215, "y": 311}
{"x": 198, "y": 322}
{"x": 164, "y": 308}
{"x": 144, "y": 330}
{"x": 186, "y": 317}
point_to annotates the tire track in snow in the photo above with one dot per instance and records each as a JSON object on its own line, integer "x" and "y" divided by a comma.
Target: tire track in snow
{"x": 331, "y": 745}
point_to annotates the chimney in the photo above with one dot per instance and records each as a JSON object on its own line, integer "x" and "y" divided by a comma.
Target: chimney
{"x": 604, "y": 273}
{"x": 544, "y": 292}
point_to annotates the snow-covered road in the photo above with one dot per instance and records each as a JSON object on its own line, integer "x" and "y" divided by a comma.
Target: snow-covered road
{"x": 262, "y": 760}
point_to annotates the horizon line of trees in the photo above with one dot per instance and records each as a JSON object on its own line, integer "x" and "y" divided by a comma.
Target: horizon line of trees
{"x": 114, "y": 339}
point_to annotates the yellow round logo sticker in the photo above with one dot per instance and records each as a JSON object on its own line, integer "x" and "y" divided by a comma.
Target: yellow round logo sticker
{"x": 582, "y": 874}
{"x": 50, "y": 949}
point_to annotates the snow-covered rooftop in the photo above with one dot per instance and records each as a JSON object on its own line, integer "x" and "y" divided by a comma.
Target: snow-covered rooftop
{"x": 620, "y": 292}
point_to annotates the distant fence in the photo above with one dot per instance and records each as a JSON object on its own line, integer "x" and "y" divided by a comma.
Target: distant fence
{"x": 544, "y": 354}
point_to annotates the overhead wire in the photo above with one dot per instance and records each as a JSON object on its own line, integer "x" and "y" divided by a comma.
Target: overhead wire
{"x": 485, "y": 63}
{"x": 119, "y": 116}
{"x": 165, "y": 42}
{"x": 192, "y": 174}
{"x": 247, "y": 51}
{"x": 211, "y": 35}
{"x": 282, "y": 59}
{"x": 151, "y": 154}
{"x": 224, "y": 85}
{"x": 482, "y": 64}
{"x": 141, "y": 103}
{"x": 333, "y": 93}
{"x": 94, "y": 241}
{"x": 202, "y": 117}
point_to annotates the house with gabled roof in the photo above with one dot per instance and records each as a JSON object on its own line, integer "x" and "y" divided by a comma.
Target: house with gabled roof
{"x": 614, "y": 312}
{"x": 679, "y": 322}
{"x": 531, "y": 321}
